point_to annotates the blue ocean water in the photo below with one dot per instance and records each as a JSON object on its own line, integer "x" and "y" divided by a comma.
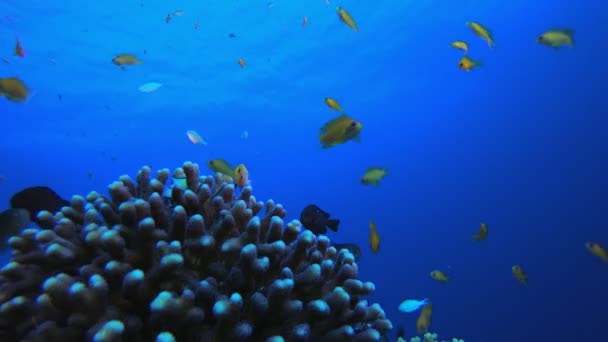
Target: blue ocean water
{"x": 518, "y": 143}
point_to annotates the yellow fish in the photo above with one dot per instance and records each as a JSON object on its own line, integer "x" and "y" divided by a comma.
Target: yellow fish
{"x": 373, "y": 175}
{"x": 557, "y": 38}
{"x": 482, "y": 32}
{"x": 424, "y": 320}
{"x": 241, "y": 176}
{"x": 125, "y": 59}
{"x": 346, "y": 18}
{"x": 468, "y": 64}
{"x": 597, "y": 250}
{"x": 374, "y": 238}
{"x": 460, "y": 45}
{"x": 483, "y": 233}
{"x": 14, "y": 89}
{"x": 439, "y": 276}
{"x": 339, "y": 130}
{"x": 519, "y": 274}
{"x": 333, "y": 104}
{"x": 221, "y": 166}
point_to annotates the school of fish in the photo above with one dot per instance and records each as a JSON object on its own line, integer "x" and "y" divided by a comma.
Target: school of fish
{"x": 333, "y": 132}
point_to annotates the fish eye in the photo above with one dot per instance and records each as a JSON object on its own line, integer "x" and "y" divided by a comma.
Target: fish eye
{"x": 211, "y": 162}
{"x": 353, "y": 123}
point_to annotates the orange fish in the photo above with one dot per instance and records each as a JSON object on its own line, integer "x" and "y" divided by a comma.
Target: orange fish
{"x": 483, "y": 233}
{"x": 241, "y": 176}
{"x": 519, "y": 274}
{"x": 597, "y": 250}
{"x": 168, "y": 19}
{"x": 19, "y": 49}
{"x": 241, "y": 62}
{"x": 304, "y": 22}
{"x": 14, "y": 89}
{"x": 374, "y": 238}
{"x": 424, "y": 320}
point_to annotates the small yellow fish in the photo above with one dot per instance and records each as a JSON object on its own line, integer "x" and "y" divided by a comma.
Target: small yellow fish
{"x": 346, "y": 18}
{"x": 461, "y": 45}
{"x": 125, "y": 59}
{"x": 439, "y": 276}
{"x": 483, "y": 233}
{"x": 333, "y": 104}
{"x": 597, "y": 250}
{"x": 241, "y": 176}
{"x": 374, "y": 238}
{"x": 482, "y": 32}
{"x": 373, "y": 175}
{"x": 557, "y": 38}
{"x": 221, "y": 166}
{"x": 14, "y": 89}
{"x": 339, "y": 130}
{"x": 519, "y": 274}
{"x": 424, "y": 320}
{"x": 468, "y": 64}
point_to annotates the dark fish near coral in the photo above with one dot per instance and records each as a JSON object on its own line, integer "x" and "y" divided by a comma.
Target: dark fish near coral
{"x": 354, "y": 249}
{"x": 317, "y": 221}
{"x": 12, "y": 221}
{"x": 36, "y": 199}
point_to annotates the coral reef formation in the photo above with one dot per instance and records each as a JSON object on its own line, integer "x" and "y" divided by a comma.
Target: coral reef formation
{"x": 201, "y": 265}
{"x": 430, "y": 337}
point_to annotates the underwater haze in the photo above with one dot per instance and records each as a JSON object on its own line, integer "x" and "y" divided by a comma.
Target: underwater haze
{"x": 518, "y": 142}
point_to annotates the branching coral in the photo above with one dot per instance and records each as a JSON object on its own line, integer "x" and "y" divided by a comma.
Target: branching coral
{"x": 200, "y": 266}
{"x": 430, "y": 337}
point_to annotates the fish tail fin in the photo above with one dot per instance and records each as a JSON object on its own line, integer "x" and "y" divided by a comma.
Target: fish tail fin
{"x": 333, "y": 224}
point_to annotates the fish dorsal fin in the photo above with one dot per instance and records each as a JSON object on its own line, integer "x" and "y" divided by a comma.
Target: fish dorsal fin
{"x": 331, "y": 122}
{"x": 569, "y": 32}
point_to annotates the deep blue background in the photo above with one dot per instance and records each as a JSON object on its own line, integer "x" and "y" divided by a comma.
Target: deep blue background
{"x": 519, "y": 143}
